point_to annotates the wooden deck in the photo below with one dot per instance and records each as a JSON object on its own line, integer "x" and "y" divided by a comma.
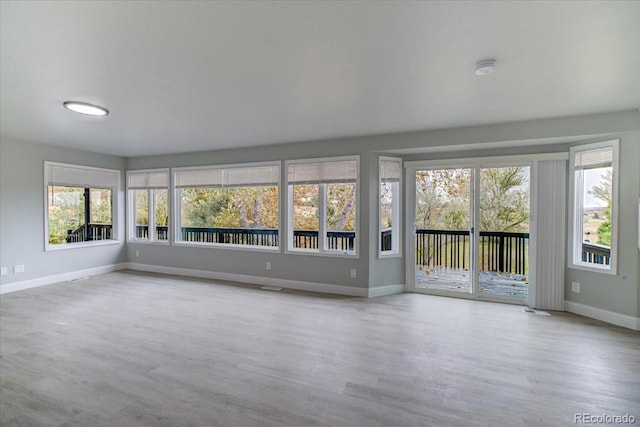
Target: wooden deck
{"x": 459, "y": 280}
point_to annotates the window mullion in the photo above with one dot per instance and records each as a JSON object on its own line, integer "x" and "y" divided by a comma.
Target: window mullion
{"x": 579, "y": 213}
{"x": 395, "y": 217}
{"x": 151, "y": 219}
{"x": 290, "y": 231}
{"x": 322, "y": 217}
{"x": 177, "y": 208}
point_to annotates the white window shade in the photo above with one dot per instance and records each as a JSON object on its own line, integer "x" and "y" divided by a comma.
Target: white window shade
{"x": 83, "y": 177}
{"x": 323, "y": 172}
{"x": 591, "y": 159}
{"x": 198, "y": 178}
{"x": 142, "y": 180}
{"x": 228, "y": 177}
{"x": 252, "y": 177}
{"x": 390, "y": 171}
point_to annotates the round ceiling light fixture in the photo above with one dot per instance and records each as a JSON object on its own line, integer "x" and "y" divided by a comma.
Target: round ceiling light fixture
{"x": 84, "y": 108}
{"x": 485, "y": 67}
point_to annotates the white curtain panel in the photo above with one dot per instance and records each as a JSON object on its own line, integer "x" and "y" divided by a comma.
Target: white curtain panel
{"x": 551, "y": 187}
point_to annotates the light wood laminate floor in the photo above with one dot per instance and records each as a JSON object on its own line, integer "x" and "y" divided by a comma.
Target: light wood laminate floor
{"x": 139, "y": 349}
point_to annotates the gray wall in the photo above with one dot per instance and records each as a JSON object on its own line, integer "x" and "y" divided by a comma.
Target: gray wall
{"x": 298, "y": 267}
{"x": 22, "y": 196}
{"x": 22, "y": 213}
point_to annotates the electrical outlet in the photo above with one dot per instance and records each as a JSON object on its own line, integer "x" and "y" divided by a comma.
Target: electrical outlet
{"x": 575, "y": 287}
{"x": 19, "y": 268}
{"x": 268, "y": 266}
{"x": 354, "y": 273}
{"x": 4, "y": 271}
{"x": 137, "y": 254}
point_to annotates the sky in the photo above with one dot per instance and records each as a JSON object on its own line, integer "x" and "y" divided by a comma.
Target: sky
{"x": 591, "y": 179}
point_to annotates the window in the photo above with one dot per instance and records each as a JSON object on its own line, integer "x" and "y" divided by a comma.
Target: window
{"x": 148, "y": 209}
{"x": 390, "y": 170}
{"x": 80, "y": 205}
{"x": 233, "y": 206}
{"x": 323, "y": 205}
{"x": 593, "y": 218}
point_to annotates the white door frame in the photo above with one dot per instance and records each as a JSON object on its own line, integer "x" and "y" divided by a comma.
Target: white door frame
{"x": 476, "y": 164}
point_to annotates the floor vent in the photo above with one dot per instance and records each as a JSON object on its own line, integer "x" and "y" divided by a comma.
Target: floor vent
{"x": 538, "y": 312}
{"x": 271, "y": 288}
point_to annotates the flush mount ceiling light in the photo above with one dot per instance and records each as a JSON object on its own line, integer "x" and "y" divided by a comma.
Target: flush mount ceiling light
{"x": 84, "y": 108}
{"x": 485, "y": 67}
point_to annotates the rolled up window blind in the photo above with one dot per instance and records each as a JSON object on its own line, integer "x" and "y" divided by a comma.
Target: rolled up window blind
{"x": 68, "y": 175}
{"x": 390, "y": 171}
{"x": 143, "y": 180}
{"x": 592, "y": 159}
{"x": 246, "y": 176}
{"x": 328, "y": 172}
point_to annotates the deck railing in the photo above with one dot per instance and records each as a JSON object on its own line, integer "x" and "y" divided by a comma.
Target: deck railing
{"x": 596, "y": 254}
{"x": 386, "y": 241}
{"x": 237, "y": 236}
{"x": 89, "y": 232}
{"x": 302, "y": 239}
{"x": 499, "y": 251}
{"x": 162, "y": 232}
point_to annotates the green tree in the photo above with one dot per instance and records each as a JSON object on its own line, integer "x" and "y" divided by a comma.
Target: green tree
{"x": 65, "y": 211}
{"x": 236, "y": 207}
{"x": 603, "y": 192}
{"x": 504, "y": 199}
{"x": 443, "y": 199}
{"x": 341, "y": 200}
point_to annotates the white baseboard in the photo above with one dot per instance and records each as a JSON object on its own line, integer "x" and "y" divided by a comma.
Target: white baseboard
{"x": 604, "y": 315}
{"x": 56, "y": 278}
{"x": 243, "y": 278}
{"x": 385, "y": 290}
{"x": 256, "y": 280}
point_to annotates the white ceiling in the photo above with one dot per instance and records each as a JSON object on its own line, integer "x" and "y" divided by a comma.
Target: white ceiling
{"x": 187, "y": 76}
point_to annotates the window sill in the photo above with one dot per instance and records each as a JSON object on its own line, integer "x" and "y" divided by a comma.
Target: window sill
{"x": 593, "y": 269}
{"x": 323, "y": 254}
{"x": 224, "y": 246}
{"x": 149, "y": 242}
{"x": 383, "y": 255}
{"x": 64, "y": 246}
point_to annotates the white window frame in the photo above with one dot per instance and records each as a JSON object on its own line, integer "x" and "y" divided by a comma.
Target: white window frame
{"x": 131, "y": 209}
{"x": 177, "y": 207}
{"x": 576, "y": 211}
{"x": 396, "y": 214}
{"x": 322, "y": 220}
{"x": 115, "y": 198}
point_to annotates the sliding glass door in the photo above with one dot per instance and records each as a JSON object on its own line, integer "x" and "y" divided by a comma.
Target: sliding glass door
{"x": 503, "y": 245}
{"x": 471, "y": 235}
{"x": 443, "y": 218}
